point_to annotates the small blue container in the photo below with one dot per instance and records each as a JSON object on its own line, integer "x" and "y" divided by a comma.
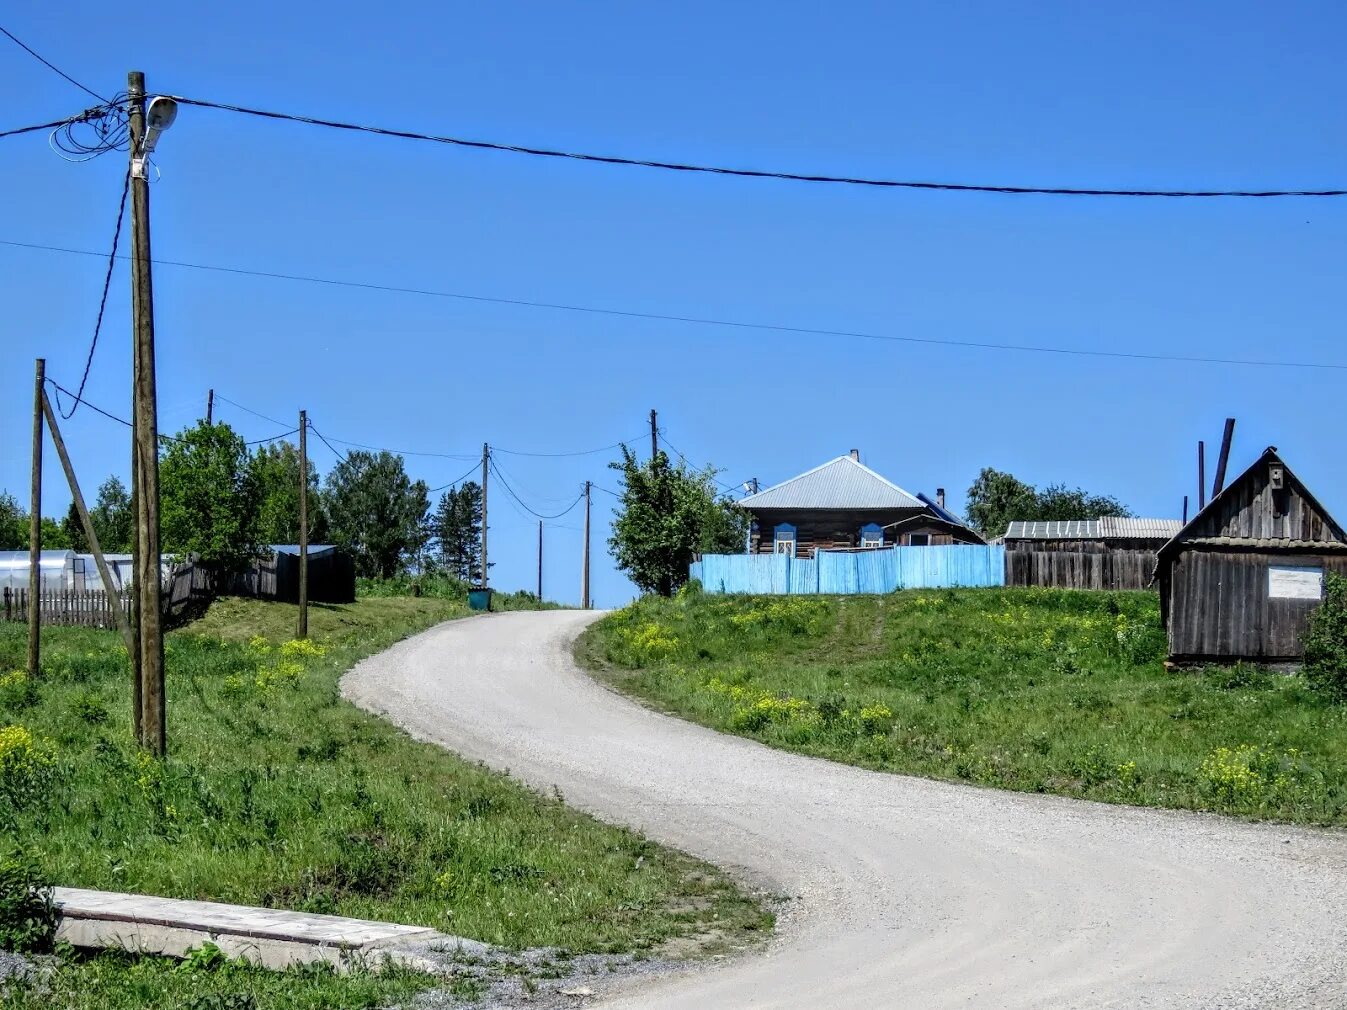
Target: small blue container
{"x": 479, "y": 599}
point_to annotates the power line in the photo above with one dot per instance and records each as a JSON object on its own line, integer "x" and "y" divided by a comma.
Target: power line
{"x": 103, "y": 301}
{"x": 49, "y": 65}
{"x": 454, "y": 483}
{"x": 54, "y": 125}
{"x": 708, "y": 321}
{"x": 335, "y": 451}
{"x": 506, "y": 484}
{"x": 557, "y": 455}
{"x": 405, "y": 452}
{"x": 78, "y": 399}
{"x": 249, "y": 410}
{"x": 753, "y": 173}
{"x": 680, "y": 455}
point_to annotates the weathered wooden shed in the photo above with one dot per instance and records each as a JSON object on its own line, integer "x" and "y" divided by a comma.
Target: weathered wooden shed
{"x": 1239, "y": 582}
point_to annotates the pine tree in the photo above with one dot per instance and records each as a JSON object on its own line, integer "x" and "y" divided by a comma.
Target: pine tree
{"x": 458, "y": 531}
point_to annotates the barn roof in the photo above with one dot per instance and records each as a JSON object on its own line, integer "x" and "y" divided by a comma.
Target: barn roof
{"x": 841, "y": 483}
{"x": 1103, "y": 528}
{"x": 1191, "y": 532}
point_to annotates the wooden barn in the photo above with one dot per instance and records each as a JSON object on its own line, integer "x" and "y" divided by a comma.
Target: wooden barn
{"x": 844, "y": 505}
{"x": 1239, "y": 582}
{"x": 1111, "y": 552}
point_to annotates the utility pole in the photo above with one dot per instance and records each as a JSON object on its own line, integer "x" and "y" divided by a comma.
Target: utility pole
{"x": 654, "y": 437}
{"x": 303, "y": 631}
{"x": 35, "y": 529}
{"x": 1226, "y": 437}
{"x": 1201, "y": 475}
{"x": 584, "y": 573}
{"x": 145, "y": 412}
{"x": 210, "y": 406}
{"x": 486, "y": 458}
{"x": 540, "y": 559}
{"x": 1185, "y": 510}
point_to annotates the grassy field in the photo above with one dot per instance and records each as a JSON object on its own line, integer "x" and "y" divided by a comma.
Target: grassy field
{"x": 278, "y": 793}
{"x": 1034, "y": 690}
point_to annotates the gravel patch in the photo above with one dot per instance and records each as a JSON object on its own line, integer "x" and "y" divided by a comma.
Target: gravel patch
{"x": 910, "y": 892}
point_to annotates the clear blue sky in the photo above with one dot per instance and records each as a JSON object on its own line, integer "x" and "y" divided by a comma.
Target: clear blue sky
{"x": 1198, "y": 95}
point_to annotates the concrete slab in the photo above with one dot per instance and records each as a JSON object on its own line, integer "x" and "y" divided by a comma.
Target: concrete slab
{"x": 270, "y": 937}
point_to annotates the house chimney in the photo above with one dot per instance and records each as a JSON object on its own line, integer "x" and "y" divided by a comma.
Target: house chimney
{"x": 940, "y": 496}
{"x": 856, "y": 455}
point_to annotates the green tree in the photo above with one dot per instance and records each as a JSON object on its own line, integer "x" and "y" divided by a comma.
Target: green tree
{"x": 376, "y": 512}
{"x": 53, "y": 536}
{"x": 111, "y": 517}
{"x": 276, "y": 474}
{"x": 13, "y": 524}
{"x": 997, "y": 499}
{"x": 208, "y": 498}
{"x": 73, "y": 531}
{"x": 666, "y": 515}
{"x": 457, "y": 526}
{"x": 1326, "y": 641}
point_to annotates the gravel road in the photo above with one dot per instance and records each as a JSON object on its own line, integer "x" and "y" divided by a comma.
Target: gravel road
{"x": 909, "y": 893}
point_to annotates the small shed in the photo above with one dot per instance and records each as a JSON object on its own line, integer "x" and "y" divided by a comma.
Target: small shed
{"x": 1239, "y": 582}
{"x": 275, "y": 576}
{"x": 1091, "y": 536}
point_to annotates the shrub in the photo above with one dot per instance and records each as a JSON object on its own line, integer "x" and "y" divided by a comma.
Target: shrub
{"x": 17, "y": 690}
{"x": 1140, "y": 642}
{"x": 1326, "y": 642}
{"x": 28, "y": 915}
{"x": 27, "y": 766}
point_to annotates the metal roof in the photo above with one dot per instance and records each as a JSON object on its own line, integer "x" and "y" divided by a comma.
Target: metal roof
{"x": 841, "y": 483}
{"x": 294, "y": 549}
{"x": 1103, "y": 528}
{"x": 1269, "y": 542}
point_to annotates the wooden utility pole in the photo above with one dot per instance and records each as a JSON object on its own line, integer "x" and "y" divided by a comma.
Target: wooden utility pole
{"x": 35, "y": 529}
{"x": 654, "y": 437}
{"x": 1226, "y": 437}
{"x": 303, "y": 630}
{"x": 1201, "y": 475}
{"x": 1185, "y": 510}
{"x": 584, "y": 566}
{"x": 486, "y": 457}
{"x": 210, "y": 406}
{"x": 145, "y": 410}
{"x": 540, "y": 559}
{"x": 114, "y": 600}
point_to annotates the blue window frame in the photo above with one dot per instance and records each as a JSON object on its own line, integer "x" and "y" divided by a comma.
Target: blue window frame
{"x": 872, "y": 535}
{"x": 784, "y": 540}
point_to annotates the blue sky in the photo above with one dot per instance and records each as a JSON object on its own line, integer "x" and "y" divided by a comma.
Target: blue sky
{"x": 1198, "y": 95}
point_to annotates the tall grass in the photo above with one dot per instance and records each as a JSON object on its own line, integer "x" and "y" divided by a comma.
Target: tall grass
{"x": 277, "y": 792}
{"x": 1036, "y": 690}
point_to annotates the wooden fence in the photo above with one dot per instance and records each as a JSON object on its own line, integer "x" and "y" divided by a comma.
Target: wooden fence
{"x": 1080, "y": 570}
{"x": 90, "y": 609}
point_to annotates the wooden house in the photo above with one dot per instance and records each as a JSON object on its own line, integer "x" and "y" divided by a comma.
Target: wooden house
{"x": 1239, "y": 582}
{"x": 844, "y": 505}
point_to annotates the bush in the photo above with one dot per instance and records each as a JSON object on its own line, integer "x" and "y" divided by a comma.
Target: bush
{"x": 1326, "y": 642}
{"x": 27, "y": 767}
{"x": 28, "y": 915}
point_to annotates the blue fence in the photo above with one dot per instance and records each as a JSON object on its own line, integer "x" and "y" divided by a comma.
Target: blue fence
{"x": 877, "y": 571}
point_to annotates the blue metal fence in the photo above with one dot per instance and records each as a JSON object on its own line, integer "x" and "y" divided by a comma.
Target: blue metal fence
{"x": 878, "y": 571}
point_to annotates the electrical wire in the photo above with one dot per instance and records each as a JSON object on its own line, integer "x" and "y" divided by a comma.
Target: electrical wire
{"x": 57, "y": 124}
{"x": 49, "y": 65}
{"x": 454, "y": 483}
{"x": 249, "y": 410}
{"x": 544, "y": 500}
{"x": 335, "y": 451}
{"x": 273, "y": 438}
{"x": 506, "y": 484}
{"x": 728, "y": 323}
{"x": 97, "y": 409}
{"x": 103, "y": 301}
{"x": 679, "y": 454}
{"x": 94, "y": 132}
{"x": 753, "y": 173}
{"x": 558, "y": 455}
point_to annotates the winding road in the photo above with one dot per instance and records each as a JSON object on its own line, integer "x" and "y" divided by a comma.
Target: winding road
{"x": 909, "y": 893}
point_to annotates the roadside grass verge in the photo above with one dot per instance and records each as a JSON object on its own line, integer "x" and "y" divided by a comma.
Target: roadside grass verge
{"x": 1027, "y": 689}
{"x": 279, "y": 793}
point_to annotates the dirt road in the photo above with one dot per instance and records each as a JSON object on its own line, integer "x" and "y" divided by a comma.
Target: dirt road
{"x": 907, "y": 893}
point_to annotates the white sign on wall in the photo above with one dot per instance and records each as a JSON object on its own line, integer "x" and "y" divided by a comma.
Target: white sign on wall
{"x": 1287, "y": 582}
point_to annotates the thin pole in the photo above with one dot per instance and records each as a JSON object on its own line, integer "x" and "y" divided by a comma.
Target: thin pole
{"x": 35, "y": 529}
{"x": 540, "y": 559}
{"x": 210, "y": 406}
{"x": 486, "y": 457}
{"x": 584, "y": 570}
{"x": 133, "y": 597}
{"x": 148, "y": 589}
{"x": 1226, "y": 437}
{"x": 114, "y": 600}
{"x": 1201, "y": 476}
{"x": 654, "y": 436}
{"x": 1185, "y": 510}
{"x": 303, "y": 631}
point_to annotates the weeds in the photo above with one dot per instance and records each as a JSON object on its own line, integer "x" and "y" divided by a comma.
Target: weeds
{"x": 1032, "y": 689}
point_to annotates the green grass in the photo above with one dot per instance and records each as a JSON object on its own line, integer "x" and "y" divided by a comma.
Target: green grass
{"x": 1033, "y": 690}
{"x": 277, "y": 792}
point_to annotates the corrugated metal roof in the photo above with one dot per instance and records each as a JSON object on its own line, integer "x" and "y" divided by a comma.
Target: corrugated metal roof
{"x": 294, "y": 549}
{"x": 1129, "y": 527}
{"x": 1103, "y": 528}
{"x": 841, "y": 483}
